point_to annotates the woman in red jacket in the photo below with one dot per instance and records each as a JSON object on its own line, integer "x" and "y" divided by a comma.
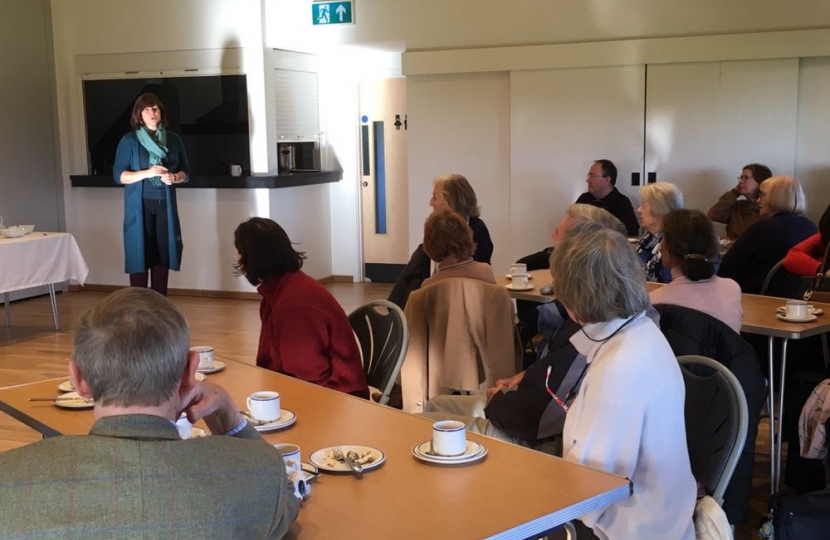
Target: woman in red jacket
{"x": 305, "y": 332}
{"x": 804, "y": 259}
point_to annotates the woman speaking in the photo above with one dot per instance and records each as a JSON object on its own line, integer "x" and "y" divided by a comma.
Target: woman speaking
{"x": 149, "y": 161}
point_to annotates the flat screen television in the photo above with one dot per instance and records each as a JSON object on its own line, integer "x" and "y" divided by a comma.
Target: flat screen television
{"x": 209, "y": 112}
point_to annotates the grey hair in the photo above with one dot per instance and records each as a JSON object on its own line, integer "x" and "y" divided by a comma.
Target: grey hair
{"x": 663, "y": 197}
{"x": 784, "y": 194}
{"x": 581, "y": 213}
{"x": 598, "y": 276}
{"x": 132, "y": 348}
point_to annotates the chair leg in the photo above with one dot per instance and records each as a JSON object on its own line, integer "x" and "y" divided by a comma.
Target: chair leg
{"x": 826, "y": 351}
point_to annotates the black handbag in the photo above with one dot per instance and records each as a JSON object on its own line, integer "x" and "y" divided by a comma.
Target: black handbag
{"x": 798, "y": 517}
{"x": 814, "y": 287}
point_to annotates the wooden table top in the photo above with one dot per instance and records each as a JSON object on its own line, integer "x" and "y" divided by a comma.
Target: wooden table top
{"x": 759, "y": 311}
{"x": 514, "y": 493}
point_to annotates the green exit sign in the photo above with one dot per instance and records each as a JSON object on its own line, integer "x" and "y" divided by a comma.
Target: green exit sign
{"x": 324, "y": 13}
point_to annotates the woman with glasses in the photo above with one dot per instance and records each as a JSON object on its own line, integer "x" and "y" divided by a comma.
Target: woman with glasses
{"x": 656, "y": 200}
{"x": 627, "y": 417}
{"x": 738, "y": 207}
{"x": 766, "y": 242}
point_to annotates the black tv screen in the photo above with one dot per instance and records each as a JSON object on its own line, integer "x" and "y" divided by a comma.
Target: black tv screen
{"x": 209, "y": 112}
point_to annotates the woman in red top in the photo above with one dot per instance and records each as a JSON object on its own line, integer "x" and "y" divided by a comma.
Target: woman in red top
{"x": 305, "y": 332}
{"x": 804, "y": 259}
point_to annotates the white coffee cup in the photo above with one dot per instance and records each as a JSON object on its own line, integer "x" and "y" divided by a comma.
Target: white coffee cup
{"x": 264, "y": 406}
{"x": 205, "y": 355}
{"x": 797, "y": 309}
{"x": 184, "y": 426}
{"x": 518, "y": 268}
{"x": 236, "y": 170}
{"x": 520, "y": 281}
{"x": 291, "y": 457}
{"x": 449, "y": 438}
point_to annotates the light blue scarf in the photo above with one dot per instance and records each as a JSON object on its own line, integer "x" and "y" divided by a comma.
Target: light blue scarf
{"x": 156, "y": 146}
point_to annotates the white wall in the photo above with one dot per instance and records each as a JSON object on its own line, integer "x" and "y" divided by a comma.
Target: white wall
{"x": 460, "y": 124}
{"x": 812, "y": 164}
{"x": 442, "y": 24}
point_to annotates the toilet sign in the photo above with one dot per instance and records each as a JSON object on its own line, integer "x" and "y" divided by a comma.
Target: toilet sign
{"x": 325, "y": 13}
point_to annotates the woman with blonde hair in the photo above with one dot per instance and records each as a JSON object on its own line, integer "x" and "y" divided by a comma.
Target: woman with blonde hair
{"x": 766, "y": 242}
{"x": 454, "y": 192}
{"x": 657, "y": 200}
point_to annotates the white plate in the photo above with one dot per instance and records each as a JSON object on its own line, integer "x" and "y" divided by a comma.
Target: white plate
{"x": 810, "y": 318}
{"x": 782, "y": 310}
{"x": 286, "y": 419}
{"x": 474, "y": 452}
{"x": 71, "y": 400}
{"x": 512, "y": 288}
{"x": 510, "y": 276}
{"x": 66, "y": 386}
{"x": 323, "y": 458}
{"x": 218, "y": 365}
{"x": 197, "y": 432}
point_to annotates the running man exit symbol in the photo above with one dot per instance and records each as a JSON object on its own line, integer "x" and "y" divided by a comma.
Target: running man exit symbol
{"x": 326, "y": 13}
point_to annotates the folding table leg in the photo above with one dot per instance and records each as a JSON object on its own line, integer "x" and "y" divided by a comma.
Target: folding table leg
{"x": 7, "y": 310}
{"x": 54, "y": 306}
{"x": 772, "y": 454}
{"x": 782, "y": 377}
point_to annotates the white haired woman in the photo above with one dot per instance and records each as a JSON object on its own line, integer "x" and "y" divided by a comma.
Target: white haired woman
{"x": 766, "y": 242}
{"x": 657, "y": 200}
{"x": 627, "y": 417}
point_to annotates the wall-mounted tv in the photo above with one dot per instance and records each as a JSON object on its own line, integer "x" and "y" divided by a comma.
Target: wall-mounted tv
{"x": 209, "y": 112}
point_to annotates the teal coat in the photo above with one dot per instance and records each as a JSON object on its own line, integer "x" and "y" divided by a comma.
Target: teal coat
{"x": 131, "y": 156}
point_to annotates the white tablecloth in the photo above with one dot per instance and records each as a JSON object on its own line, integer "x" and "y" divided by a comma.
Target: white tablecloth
{"x": 39, "y": 259}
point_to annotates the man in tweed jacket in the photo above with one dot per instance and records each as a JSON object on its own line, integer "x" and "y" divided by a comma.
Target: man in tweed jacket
{"x": 132, "y": 476}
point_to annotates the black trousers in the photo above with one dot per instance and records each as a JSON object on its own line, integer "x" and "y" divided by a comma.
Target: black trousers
{"x": 156, "y": 247}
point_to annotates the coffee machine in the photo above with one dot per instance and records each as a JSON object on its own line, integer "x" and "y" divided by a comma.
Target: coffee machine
{"x": 298, "y": 156}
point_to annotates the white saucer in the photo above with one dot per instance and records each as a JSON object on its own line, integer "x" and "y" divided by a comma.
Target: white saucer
{"x": 197, "y": 432}
{"x": 474, "y": 452}
{"x": 66, "y": 386}
{"x": 71, "y": 400}
{"x": 512, "y": 288}
{"x": 323, "y": 458}
{"x": 807, "y": 319}
{"x": 286, "y": 419}
{"x": 510, "y": 276}
{"x": 218, "y": 365}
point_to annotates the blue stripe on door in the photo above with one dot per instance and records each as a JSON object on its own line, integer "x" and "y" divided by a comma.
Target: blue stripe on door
{"x": 380, "y": 179}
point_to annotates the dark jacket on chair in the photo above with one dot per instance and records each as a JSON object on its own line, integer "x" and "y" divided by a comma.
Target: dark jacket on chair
{"x": 689, "y": 331}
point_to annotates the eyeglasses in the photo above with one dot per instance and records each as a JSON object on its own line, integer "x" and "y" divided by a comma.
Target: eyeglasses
{"x": 744, "y": 178}
{"x": 761, "y": 194}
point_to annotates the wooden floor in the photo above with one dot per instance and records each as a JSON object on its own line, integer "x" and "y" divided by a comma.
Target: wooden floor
{"x": 32, "y": 351}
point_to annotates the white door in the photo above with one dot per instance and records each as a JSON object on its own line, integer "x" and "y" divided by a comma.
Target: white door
{"x": 705, "y": 121}
{"x": 383, "y": 130}
{"x": 561, "y": 120}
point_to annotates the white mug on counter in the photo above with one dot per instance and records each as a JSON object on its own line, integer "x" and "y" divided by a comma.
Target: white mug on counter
{"x": 449, "y": 438}
{"x": 236, "y": 170}
{"x": 205, "y": 355}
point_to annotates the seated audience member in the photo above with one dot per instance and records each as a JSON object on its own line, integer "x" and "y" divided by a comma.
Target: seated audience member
{"x": 628, "y": 416}
{"x": 739, "y": 207}
{"x": 766, "y": 242}
{"x": 690, "y": 250}
{"x": 453, "y": 192}
{"x": 804, "y": 259}
{"x": 305, "y": 333}
{"x": 520, "y": 409}
{"x": 448, "y": 241}
{"x": 132, "y": 476}
{"x": 602, "y": 192}
{"x": 657, "y": 201}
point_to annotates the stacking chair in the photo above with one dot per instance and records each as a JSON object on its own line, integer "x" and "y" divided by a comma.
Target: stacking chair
{"x": 381, "y": 331}
{"x": 716, "y": 421}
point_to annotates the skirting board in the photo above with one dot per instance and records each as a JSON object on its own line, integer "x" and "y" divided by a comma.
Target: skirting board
{"x": 237, "y": 295}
